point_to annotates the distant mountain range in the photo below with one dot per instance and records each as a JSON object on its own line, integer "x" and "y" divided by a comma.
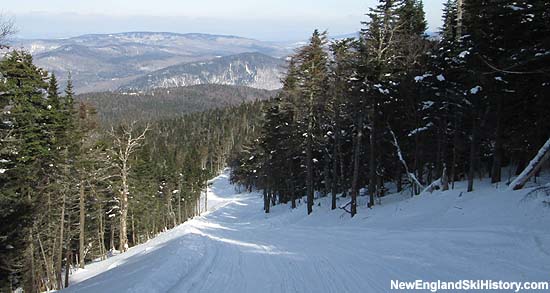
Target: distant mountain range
{"x": 106, "y": 62}
{"x": 142, "y": 61}
{"x": 254, "y": 70}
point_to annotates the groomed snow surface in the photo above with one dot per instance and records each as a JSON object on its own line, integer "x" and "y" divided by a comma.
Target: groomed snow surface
{"x": 490, "y": 234}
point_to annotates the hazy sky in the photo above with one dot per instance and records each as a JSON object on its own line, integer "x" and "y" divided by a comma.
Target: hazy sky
{"x": 276, "y": 20}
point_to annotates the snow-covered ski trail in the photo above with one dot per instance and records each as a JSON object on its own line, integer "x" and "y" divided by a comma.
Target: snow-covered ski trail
{"x": 237, "y": 248}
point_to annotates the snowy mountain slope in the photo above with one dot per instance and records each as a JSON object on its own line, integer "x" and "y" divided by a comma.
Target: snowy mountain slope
{"x": 488, "y": 234}
{"x": 254, "y": 70}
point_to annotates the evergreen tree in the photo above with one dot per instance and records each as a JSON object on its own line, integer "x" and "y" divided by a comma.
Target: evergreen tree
{"x": 312, "y": 78}
{"x": 25, "y": 159}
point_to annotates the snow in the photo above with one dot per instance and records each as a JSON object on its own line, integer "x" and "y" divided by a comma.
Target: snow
{"x": 427, "y": 104}
{"x": 441, "y": 77}
{"x": 491, "y": 233}
{"x": 421, "y": 77}
{"x": 475, "y": 90}
{"x": 463, "y": 54}
{"x": 515, "y": 8}
{"x": 543, "y": 151}
{"x": 420, "y": 129}
{"x": 381, "y": 89}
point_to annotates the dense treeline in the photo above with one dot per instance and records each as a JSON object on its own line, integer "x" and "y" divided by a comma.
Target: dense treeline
{"x": 397, "y": 108}
{"x": 113, "y": 107}
{"x": 72, "y": 192}
{"x": 180, "y": 154}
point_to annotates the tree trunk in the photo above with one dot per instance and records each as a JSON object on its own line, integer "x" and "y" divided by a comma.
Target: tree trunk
{"x": 112, "y": 240}
{"x": 497, "y": 155}
{"x": 536, "y": 163}
{"x": 59, "y": 262}
{"x": 343, "y": 183}
{"x": 414, "y": 181}
{"x": 455, "y": 143}
{"x": 124, "y": 210}
{"x": 68, "y": 258}
{"x": 473, "y": 153}
{"x": 32, "y": 285}
{"x": 171, "y": 213}
{"x": 293, "y": 191}
{"x": 82, "y": 225}
{"x": 356, "y": 165}
{"x": 133, "y": 231}
{"x": 69, "y": 252}
{"x": 206, "y": 195}
{"x": 179, "y": 206}
{"x": 459, "y": 17}
{"x": 398, "y": 180}
{"x": 334, "y": 173}
{"x": 127, "y": 145}
{"x": 266, "y": 200}
{"x": 309, "y": 165}
{"x": 327, "y": 176}
{"x": 372, "y": 156}
{"x": 100, "y": 234}
{"x": 444, "y": 179}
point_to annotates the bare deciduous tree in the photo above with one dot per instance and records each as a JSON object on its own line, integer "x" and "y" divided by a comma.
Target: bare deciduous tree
{"x": 7, "y": 28}
{"x": 125, "y": 143}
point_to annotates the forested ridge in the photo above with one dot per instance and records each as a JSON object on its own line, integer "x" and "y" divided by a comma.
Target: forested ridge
{"x": 397, "y": 109}
{"x": 74, "y": 190}
{"x": 155, "y": 104}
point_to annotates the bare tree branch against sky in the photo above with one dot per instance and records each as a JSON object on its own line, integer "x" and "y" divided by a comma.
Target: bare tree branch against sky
{"x": 266, "y": 20}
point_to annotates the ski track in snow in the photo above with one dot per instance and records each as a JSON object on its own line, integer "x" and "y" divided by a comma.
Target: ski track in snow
{"x": 234, "y": 247}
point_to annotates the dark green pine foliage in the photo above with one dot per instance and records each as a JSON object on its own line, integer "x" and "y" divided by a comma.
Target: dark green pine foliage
{"x": 313, "y": 87}
{"x": 443, "y": 106}
{"x": 382, "y": 39}
{"x": 26, "y": 156}
{"x": 342, "y": 75}
{"x": 406, "y": 111}
{"x": 412, "y": 18}
{"x": 515, "y": 62}
{"x": 171, "y": 169}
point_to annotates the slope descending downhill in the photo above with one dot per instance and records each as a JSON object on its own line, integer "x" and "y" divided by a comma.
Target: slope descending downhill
{"x": 234, "y": 247}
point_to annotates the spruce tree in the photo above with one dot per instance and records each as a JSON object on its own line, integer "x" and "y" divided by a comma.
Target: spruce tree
{"x": 25, "y": 159}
